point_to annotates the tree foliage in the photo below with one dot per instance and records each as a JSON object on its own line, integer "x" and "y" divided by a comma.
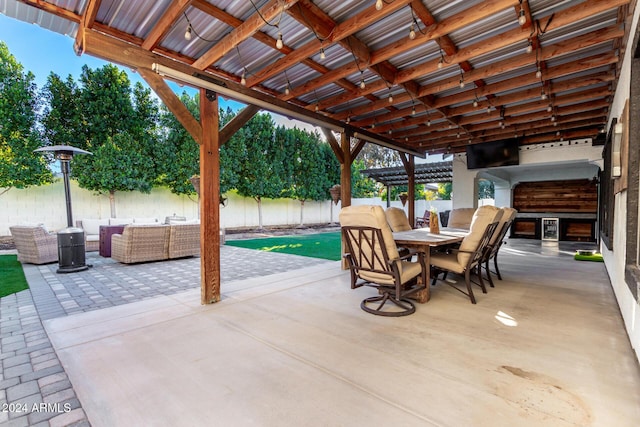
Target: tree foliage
{"x": 120, "y": 131}
{"x": 178, "y": 154}
{"x": 19, "y": 166}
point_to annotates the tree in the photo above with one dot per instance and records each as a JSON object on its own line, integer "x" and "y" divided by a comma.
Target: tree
{"x": 230, "y": 156}
{"x": 119, "y": 133}
{"x": 444, "y": 190}
{"x": 261, "y": 162}
{"x": 361, "y": 186}
{"x": 62, "y": 114}
{"x": 308, "y": 177}
{"x": 19, "y": 166}
{"x": 486, "y": 189}
{"x": 178, "y": 153}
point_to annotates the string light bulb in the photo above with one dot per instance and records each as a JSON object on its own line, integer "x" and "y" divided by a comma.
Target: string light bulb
{"x": 428, "y": 122}
{"x": 530, "y": 47}
{"x": 413, "y": 110}
{"x": 362, "y": 84}
{"x": 279, "y": 43}
{"x": 441, "y": 62}
{"x": 549, "y": 108}
{"x": 412, "y": 32}
{"x": 538, "y": 72}
{"x": 322, "y": 55}
{"x": 317, "y": 107}
{"x": 543, "y": 95}
{"x": 489, "y": 109}
{"x": 243, "y": 80}
{"x": 287, "y": 91}
{"x": 187, "y": 34}
{"x": 522, "y": 18}
{"x": 378, "y": 4}
{"x": 390, "y": 98}
{"x": 461, "y": 82}
{"x": 475, "y": 103}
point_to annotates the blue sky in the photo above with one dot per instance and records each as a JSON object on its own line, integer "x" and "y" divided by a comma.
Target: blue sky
{"x": 42, "y": 52}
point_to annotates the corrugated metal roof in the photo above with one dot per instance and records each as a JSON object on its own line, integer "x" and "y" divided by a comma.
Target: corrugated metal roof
{"x": 133, "y": 20}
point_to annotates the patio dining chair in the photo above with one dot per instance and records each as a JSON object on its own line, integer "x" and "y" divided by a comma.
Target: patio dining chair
{"x": 423, "y": 221}
{"x": 374, "y": 260}
{"x": 496, "y": 242}
{"x": 397, "y": 219}
{"x": 466, "y": 259}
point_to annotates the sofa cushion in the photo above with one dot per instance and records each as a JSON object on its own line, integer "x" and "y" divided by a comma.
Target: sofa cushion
{"x": 145, "y": 221}
{"x": 92, "y": 226}
{"x": 120, "y": 221}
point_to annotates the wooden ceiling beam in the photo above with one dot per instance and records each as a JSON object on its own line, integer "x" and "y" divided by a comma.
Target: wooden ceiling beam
{"x": 236, "y": 123}
{"x": 173, "y": 103}
{"x": 530, "y": 79}
{"x": 481, "y": 48}
{"x": 239, "y": 34}
{"x": 54, "y": 10}
{"x": 527, "y": 59}
{"x": 87, "y": 21}
{"x": 434, "y": 31}
{"x": 341, "y": 31}
{"x": 160, "y": 29}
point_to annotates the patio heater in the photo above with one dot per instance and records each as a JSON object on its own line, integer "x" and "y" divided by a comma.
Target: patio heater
{"x": 71, "y": 247}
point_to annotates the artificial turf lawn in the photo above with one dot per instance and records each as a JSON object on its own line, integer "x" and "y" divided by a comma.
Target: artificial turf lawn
{"x": 320, "y": 245}
{"x": 12, "y": 278}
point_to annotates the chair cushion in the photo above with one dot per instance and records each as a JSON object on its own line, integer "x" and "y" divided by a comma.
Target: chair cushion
{"x": 397, "y": 219}
{"x": 483, "y": 216}
{"x": 447, "y": 262}
{"x": 461, "y": 218}
{"x": 370, "y": 216}
{"x": 92, "y": 226}
{"x": 507, "y": 215}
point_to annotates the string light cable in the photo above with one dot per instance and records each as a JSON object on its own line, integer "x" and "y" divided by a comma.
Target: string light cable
{"x": 279, "y": 42}
{"x": 362, "y": 83}
{"x": 191, "y": 30}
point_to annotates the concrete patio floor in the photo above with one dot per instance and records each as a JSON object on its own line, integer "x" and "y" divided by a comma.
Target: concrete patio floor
{"x": 546, "y": 347}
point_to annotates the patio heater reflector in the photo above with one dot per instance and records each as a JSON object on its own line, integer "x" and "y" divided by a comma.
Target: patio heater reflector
{"x": 71, "y": 246}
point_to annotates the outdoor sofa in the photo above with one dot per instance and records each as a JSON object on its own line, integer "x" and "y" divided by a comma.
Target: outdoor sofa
{"x": 35, "y": 245}
{"x": 143, "y": 243}
{"x": 91, "y": 227}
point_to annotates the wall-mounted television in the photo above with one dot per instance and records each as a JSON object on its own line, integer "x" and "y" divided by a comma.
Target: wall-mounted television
{"x": 493, "y": 154}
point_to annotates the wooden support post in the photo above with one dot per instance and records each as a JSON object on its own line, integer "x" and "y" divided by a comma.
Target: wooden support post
{"x": 345, "y": 169}
{"x": 209, "y": 199}
{"x": 411, "y": 190}
{"x": 409, "y": 162}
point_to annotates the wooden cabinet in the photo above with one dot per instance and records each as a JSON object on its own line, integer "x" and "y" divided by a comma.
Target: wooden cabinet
{"x": 573, "y": 202}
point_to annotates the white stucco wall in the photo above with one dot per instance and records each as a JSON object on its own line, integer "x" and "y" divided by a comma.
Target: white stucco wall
{"x": 615, "y": 258}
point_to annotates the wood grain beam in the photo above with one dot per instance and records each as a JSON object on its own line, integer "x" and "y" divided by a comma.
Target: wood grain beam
{"x": 344, "y": 29}
{"x": 162, "y": 27}
{"x": 172, "y": 102}
{"x": 235, "y": 124}
{"x": 333, "y": 143}
{"x": 239, "y": 34}
{"x": 209, "y": 199}
{"x": 87, "y": 21}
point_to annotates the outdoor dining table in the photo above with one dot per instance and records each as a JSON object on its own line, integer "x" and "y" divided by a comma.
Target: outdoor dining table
{"x": 422, "y": 240}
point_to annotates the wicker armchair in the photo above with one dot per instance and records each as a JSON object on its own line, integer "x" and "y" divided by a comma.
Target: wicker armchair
{"x": 34, "y": 244}
{"x": 141, "y": 243}
{"x": 184, "y": 240}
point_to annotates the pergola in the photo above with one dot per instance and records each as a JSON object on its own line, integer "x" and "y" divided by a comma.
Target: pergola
{"x": 417, "y": 76}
